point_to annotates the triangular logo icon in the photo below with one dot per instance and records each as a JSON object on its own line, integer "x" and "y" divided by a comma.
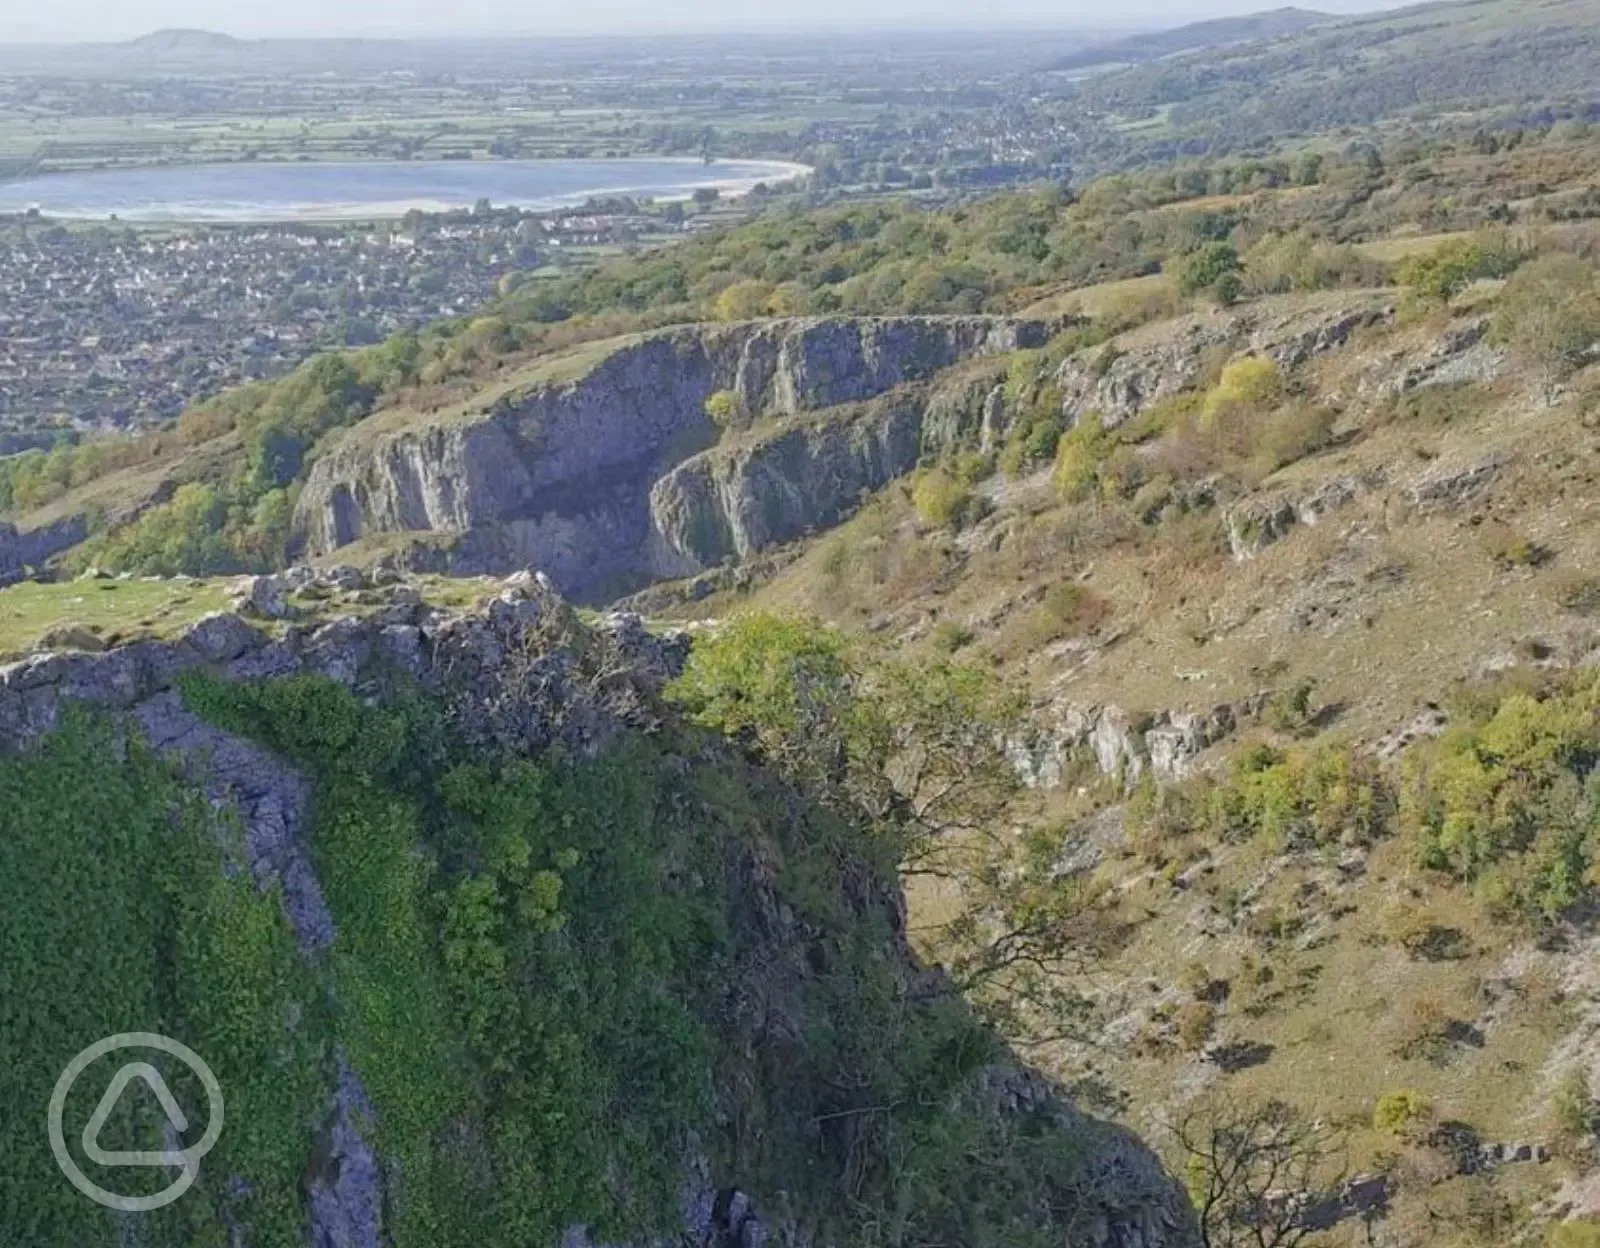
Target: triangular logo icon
{"x": 108, "y": 1102}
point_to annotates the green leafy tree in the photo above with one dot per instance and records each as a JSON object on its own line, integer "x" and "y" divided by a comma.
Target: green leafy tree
{"x": 1203, "y": 268}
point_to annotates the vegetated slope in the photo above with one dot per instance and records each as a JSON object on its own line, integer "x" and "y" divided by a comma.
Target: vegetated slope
{"x": 1303, "y": 591}
{"x": 1486, "y": 60}
{"x": 1219, "y": 32}
{"x": 486, "y": 948}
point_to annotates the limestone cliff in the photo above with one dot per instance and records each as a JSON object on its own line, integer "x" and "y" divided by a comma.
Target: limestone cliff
{"x": 560, "y": 474}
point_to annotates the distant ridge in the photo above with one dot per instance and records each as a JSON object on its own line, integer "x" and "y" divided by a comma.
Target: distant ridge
{"x": 1197, "y": 36}
{"x": 183, "y": 41}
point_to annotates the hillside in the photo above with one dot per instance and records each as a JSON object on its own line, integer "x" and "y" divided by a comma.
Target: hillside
{"x": 1459, "y": 65}
{"x": 1196, "y": 36}
{"x": 488, "y": 946}
{"x": 1084, "y": 727}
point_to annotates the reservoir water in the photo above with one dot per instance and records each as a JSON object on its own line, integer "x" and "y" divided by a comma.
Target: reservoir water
{"x": 310, "y": 191}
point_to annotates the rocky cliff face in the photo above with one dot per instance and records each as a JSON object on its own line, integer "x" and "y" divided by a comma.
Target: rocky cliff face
{"x": 561, "y": 475}
{"x": 516, "y": 676}
{"x": 21, "y": 551}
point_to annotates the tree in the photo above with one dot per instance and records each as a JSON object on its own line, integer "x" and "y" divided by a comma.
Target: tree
{"x": 1253, "y": 1173}
{"x": 915, "y": 751}
{"x": 1204, "y": 267}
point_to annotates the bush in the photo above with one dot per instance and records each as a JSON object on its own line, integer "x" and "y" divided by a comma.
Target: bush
{"x": 744, "y": 301}
{"x": 1080, "y": 456}
{"x": 1550, "y": 309}
{"x": 725, "y": 409}
{"x": 1508, "y": 548}
{"x": 1441, "y": 274}
{"x": 1291, "y": 434}
{"x": 1071, "y": 610}
{"x": 1395, "y": 1111}
{"x": 1574, "y": 1105}
{"x": 942, "y": 501}
{"x": 1197, "y": 1020}
{"x": 1252, "y": 382}
{"x": 949, "y": 636}
{"x": 1580, "y": 595}
{"x": 1508, "y": 799}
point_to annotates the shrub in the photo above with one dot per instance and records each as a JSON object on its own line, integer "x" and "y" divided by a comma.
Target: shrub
{"x": 1072, "y": 609}
{"x": 1289, "y": 711}
{"x": 1550, "y": 309}
{"x": 1508, "y": 548}
{"x": 1252, "y": 382}
{"x": 1574, "y": 1105}
{"x": 744, "y": 301}
{"x": 1580, "y": 595}
{"x": 725, "y": 409}
{"x": 1197, "y": 1020}
{"x": 1395, "y": 1111}
{"x": 1452, "y": 266}
{"x": 949, "y": 636}
{"x": 1079, "y": 457}
{"x": 1291, "y": 434}
{"x": 942, "y": 501}
{"x": 1512, "y": 791}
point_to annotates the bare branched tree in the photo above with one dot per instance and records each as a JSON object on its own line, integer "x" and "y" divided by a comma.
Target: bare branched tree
{"x": 1254, "y": 1172}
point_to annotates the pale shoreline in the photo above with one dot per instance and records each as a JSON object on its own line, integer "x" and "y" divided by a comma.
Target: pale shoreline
{"x": 772, "y": 172}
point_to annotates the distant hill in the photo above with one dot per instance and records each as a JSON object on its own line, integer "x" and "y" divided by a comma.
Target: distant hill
{"x": 1471, "y": 62}
{"x": 171, "y": 41}
{"x": 1197, "y": 36}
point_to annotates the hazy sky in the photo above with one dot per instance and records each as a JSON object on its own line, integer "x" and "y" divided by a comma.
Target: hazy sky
{"x": 97, "y": 20}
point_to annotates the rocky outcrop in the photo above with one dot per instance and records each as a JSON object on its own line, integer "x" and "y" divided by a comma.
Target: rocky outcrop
{"x": 1255, "y": 523}
{"x": 1461, "y": 355}
{"x": 560, "y": 475}
{"x": 1121, "y": 379}
{"x": 1119, "y": 745}
{"x": 20, "y": 551}
{"x": 732, "y": 501}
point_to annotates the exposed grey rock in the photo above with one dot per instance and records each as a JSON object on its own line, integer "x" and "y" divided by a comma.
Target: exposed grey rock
{"x": 1166, "y": 743}
{"x": 222, "y": 636}
{"x": 728, "y": 503}
{"x": 20, "y": 551}
{"x": 72, "y": 637}
{"x": 1452, "y": 484}
{"x": 559, "y": 475}
{"x": 1121, "y": 379}
{"x": 343, "y": 576}
{"x": 1429, "y": 723}
{"x": 264, "y": 595}
{"x": 1255, "y": 523}
{"x": 346, "y": 1196}
{"x": 339, "y": 649}
{"x": 1461, "y": 355}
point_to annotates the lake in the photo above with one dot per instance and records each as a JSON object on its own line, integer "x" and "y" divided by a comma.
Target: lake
{"x": 309, "y": 191}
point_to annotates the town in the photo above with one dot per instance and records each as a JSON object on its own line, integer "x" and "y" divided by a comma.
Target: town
{"x": 106, "y": 327}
